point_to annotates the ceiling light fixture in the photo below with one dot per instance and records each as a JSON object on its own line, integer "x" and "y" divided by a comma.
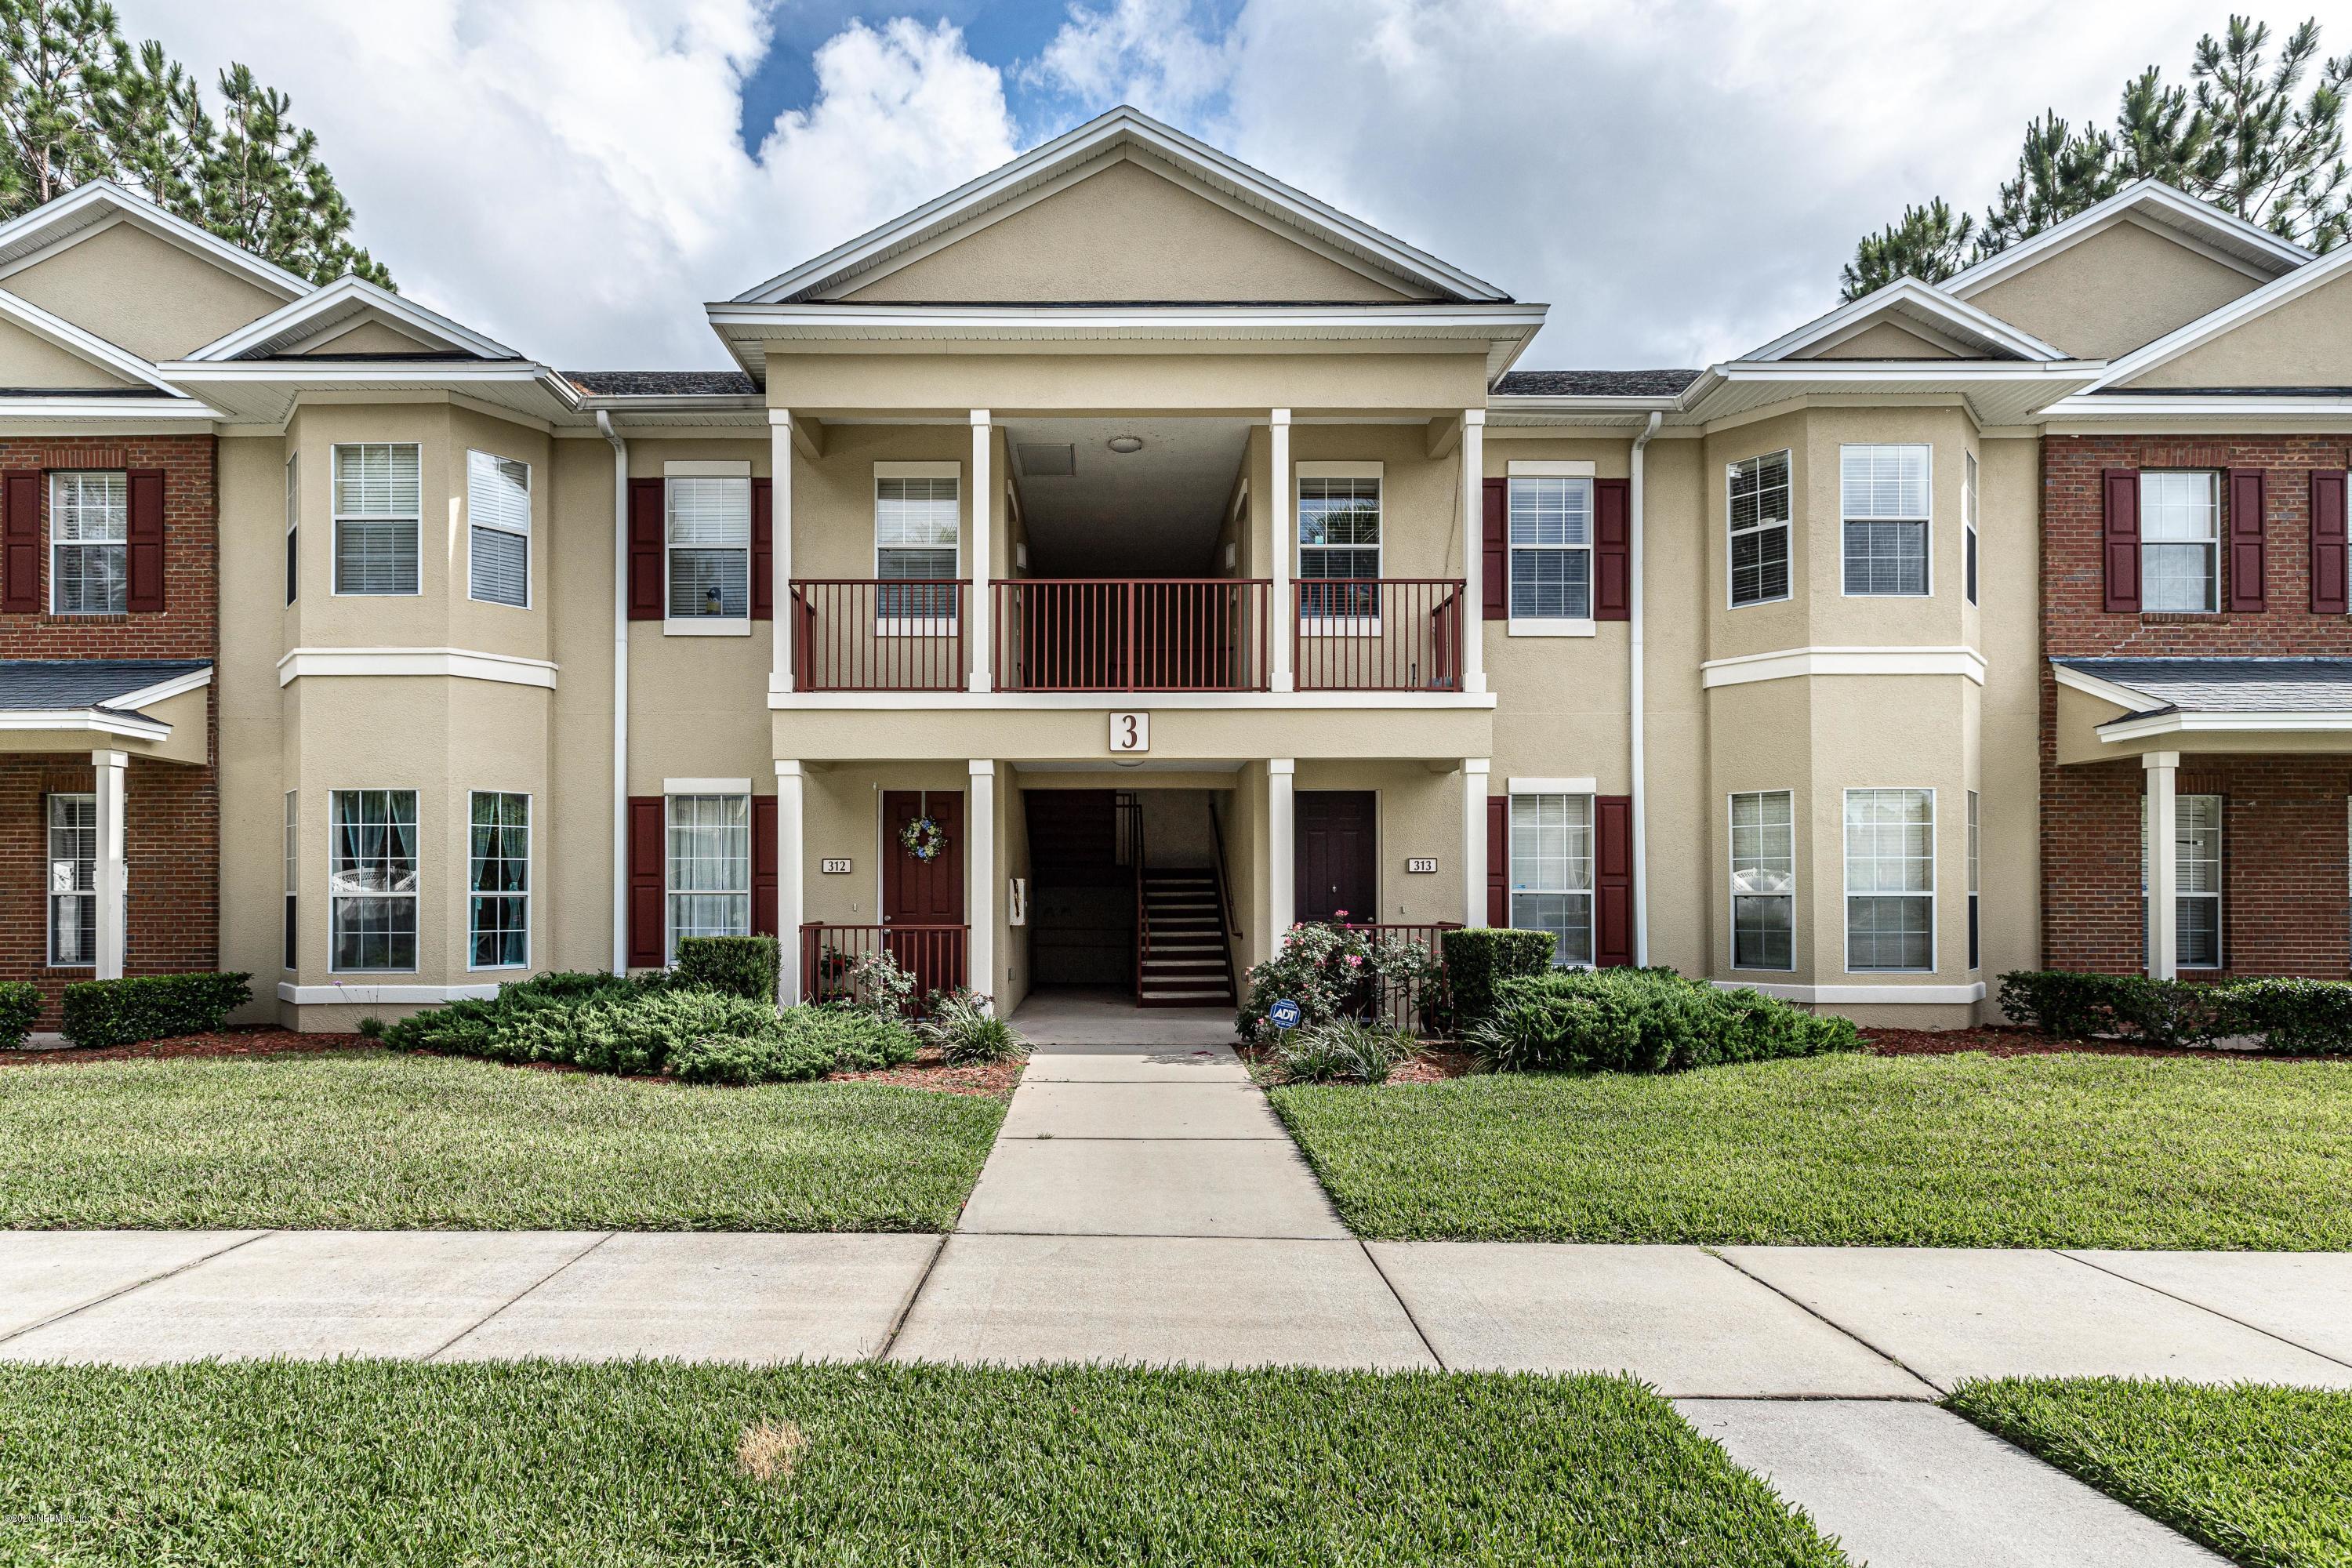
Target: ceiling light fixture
{"x": 1126, "y": 444}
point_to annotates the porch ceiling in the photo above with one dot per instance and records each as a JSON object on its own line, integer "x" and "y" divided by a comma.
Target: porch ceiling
{"x": 1154, "y": 512}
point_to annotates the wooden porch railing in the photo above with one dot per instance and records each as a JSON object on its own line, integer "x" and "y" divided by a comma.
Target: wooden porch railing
{"x": 1118, "y": 634}
{"x": 933, "y": 954}
{"x": 1377, "y": 634}
{"x": 861, "y": 635}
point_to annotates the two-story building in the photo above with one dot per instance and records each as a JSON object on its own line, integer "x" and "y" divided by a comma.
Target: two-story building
{"x": 1095, "y": 571}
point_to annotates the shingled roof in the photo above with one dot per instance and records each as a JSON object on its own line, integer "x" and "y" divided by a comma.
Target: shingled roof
{"x": 1594, "y": 382}
{"x": 2227, "y": 685}
{"x": 72, "y": 685}
{"x": 661, "y": 383}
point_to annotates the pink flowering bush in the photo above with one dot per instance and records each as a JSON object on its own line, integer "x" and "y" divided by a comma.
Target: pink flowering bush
{"x": 1334, "y": 973}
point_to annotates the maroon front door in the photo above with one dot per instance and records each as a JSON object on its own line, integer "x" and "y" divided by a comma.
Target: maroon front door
{"x": 924, "y": 893}
{"x": 1336, "y": 866}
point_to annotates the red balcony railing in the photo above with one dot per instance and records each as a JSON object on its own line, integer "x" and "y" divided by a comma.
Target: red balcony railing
{"x": 858, "y": 634}
{"x": 933, "y": 954}
{"x": 1406, "y": 1006}
{"x": 1113, "y": 634}
{"x": 1377, "y": 634}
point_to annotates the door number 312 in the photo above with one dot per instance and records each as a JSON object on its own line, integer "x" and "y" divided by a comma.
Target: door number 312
{"x": 1131, "y": 732}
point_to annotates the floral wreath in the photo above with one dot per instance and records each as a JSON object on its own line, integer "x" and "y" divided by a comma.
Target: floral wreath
{"x": 924, "y": 839}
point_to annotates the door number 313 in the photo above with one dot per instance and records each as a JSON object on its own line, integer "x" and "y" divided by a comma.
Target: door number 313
{"x": 1131, "y": 732}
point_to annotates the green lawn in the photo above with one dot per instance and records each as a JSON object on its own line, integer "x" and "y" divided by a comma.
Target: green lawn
{"x": 2261, "y": 1475}
{"x": 376, "y": 1140}
{"x": 1957, "y": 1151}
{"x": 353, "y": 1463}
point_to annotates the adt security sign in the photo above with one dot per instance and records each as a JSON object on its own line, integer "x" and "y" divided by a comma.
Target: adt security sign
{"x": 1283, "y": 1014}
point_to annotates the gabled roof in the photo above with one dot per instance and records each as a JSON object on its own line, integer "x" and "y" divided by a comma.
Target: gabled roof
{"x": 1918, "y": 308}
{"x": 1263, "y": 196}
{"x": 2213, "y": 324}
{"x": 2224, "y": 235}
{"x": 342, "y": 303}
{"x": 87, "y": 206}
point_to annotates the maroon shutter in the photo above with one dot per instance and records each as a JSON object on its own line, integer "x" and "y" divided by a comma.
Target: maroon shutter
{"x": 764, "y": 865}
{"x": 20, "y": 544}
{"x": 763, "y": 550}
{"x": 1613, "y": 879}
{"x": 2246, "y": 570}
{"x": 645, "y": 551}
{"x": 144, "y": 595}
{"x": 2121, "y": 538}
{"x": 2328, "y": 544}
{"x": 1612, "y": 546}
{"x": 1499, "y": 859}
{"x": 647, "y": 831}
{"x": 1494, "y": 567}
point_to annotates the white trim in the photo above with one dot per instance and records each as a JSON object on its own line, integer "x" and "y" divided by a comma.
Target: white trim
{"x": 1547, "y": 468}
{"x": 706, "y": 787}
{"x": 708, "y": 626}
{"x": 173, "y": 687}
{"x": 1551, "y": 786}
{"x": 452, "y": 663}
{"x": 351, "y": 295}
{"x": 382, "y": 995}
{"x": 1922, "y": 303}
{"x": 950, "y": 469}
{"x": 1334, "y": 469}
{"x": 1926, "y": 522}
{"x": 49, "y": 898}
{"x": 530, "y": 895}
{"x": 2130, "y": 729}
{"x": 416, "y": 896}
{"x": 1789, "y": 663}
{"x": 2196, "y": 334}
{"x": 97, "y": 720}
{"x": 1524, "y": 626}
{"x": 2164, "y": 413}
{"x": 113, "y": 418}
{"x": 1861, "y": 995}
{"x": 2134, "y": 200}
{"x": 525, "y": 534}
{"x": 1110, "y": 701}
{"x": 2123, "y": 696}
{"x": 1787, "y": 525}
{"x": 708, "y": 469}
{"x": 1732, "y": 895}
{"x": 129, "y": 207}
{"x": 1934, "y": 895}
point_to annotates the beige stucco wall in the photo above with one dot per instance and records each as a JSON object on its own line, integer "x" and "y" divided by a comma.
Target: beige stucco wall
{"x": 1884, "y": 340}
{"x": 1682, "y": 868}
{"x": 370, "y": 335}
{"x": 142, "y": 292}
{"x": 2308, "y": 342}
{"x": 1129, "y": 231}
{"x": 26, "y": 361}
{"x": 2106, "y": 295}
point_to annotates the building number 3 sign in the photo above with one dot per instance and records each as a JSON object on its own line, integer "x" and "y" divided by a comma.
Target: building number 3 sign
{"x": 1131, "y": 732}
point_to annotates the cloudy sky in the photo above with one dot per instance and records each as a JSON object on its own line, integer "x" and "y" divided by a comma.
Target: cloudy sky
{"x": 1679, "y": 180}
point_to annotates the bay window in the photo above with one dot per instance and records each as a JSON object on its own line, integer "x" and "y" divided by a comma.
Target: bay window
{"x": 371, "y": 880}
{"x": 378, "y": 505}
{"x": 1763, "y": 879}
{"x": 1890, "y": 879}
{"x": 497, "y": 881}
{"x": 1884, "y": 509}
{"x": 497, "y": 527}
{"x": 1759, "y": 510}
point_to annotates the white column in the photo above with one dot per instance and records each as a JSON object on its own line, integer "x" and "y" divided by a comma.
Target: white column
{"x": 780, "y": 510}
{"x": 983, "y": 505}
{"x": 1282, "y": 851}
{"x": 1473, "y": 841}
{"x": 2163, "y": 866}
{"x": 979, "y": 878}
{"x": 1285, "y": 619}
{"x": 112, "y": 872}
{"x": 1473, "y": 549}
{"x": 791, "y": 891}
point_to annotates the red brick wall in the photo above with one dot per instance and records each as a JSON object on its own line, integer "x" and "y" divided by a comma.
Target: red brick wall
{"x": 2285, "y": 903}
{"x": 188, "y": 626}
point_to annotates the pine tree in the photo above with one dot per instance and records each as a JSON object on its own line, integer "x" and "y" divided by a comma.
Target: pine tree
{"x": 53, "y": 55}
{"x": 1930, "y": 243}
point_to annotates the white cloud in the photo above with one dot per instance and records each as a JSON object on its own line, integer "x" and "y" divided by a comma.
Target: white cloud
{"x": 1147, "y": 53}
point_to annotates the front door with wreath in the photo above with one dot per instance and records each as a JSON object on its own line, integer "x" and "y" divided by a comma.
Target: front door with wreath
{"x": 922, "y": 877}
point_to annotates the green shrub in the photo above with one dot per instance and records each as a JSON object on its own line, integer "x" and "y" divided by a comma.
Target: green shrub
{"x": 967, "y": 1033}
{"x": 802, "y": 1042}
{"x": 875, "y": 981}
{"x": 1341, "y": 1052}
{"x": 860, "y": 1039}
{"x": 2079, "y": 1007}
{"x": 746, "y": 1059}
{"x": 1644, "y": 1020}
{"x": 738, "y": 965}
{"x": 20, "y": 1009}
{"x": 150, "y": 1007}
{"x": 471, "y": 1027}
{"x": 1481, "y": 958}
{"x": 1332, "y": 973}
{"x": 2297, "y": 1018}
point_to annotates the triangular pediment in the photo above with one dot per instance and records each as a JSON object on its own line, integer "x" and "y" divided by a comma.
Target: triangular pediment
{"x": 1907, "y": 320}
{"x": 42, "y": 353}
{"x": 351, "y": 319}
{"x": 2294, "y": 332}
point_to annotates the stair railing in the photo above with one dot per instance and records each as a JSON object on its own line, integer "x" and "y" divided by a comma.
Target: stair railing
{"x": 1130, "y": 840}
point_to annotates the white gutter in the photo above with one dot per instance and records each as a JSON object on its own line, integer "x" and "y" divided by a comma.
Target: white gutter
{"x": 620, "y": 692}
{"x": 1641, "y": 770}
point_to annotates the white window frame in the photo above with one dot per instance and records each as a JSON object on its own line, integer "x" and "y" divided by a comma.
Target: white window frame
{"x": 670, "y": 893}
{"x": 1519, "y": 625}
{"x": 1344, "y": 625}
{"x": 2211, "y": 544}
{"x": 1590, "y": 892}
{"x": 917, "y": 626}
{"x": 1927, "y": 521}
{"x": 1731, "y": 819}
{"x": 531, "y": 502}
{"x": 530, "y": 876}
{"x": 58, "y": 544}
{"x": 335, "y": 508}
{"x": 414, "y": 895}
{"x": 1845, "y": 858}
{"x": 708, "y": 626}
{"x": 1971, "y": 569}
{"x": 2220, "y": 879}
{"x": 293, "y": 527}
{"x": 49, "y": 803}
{"x": 1787, "y": 525}
{"x": 290, "y": 928}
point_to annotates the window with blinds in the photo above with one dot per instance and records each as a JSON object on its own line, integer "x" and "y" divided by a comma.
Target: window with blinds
{"x": 1763, "y": 879}
{"x": 1339, "y": 538}
{"x": 497, "y": 517}
{"x": 1890, "y": 879}
{"x": 1885, "y": 512}
{"x": 917, "y": 524}
{"x": 1551, "y": 548}
{"x": 73, "y": 880}
{"x": 1551, "y": 872}
{"x": 89, "y": 532}
{"x": 293, "y": 526}
{"x": 708, "y": 518}
{"x": 378, "y": 504}
{"x": 1758, "y": 510}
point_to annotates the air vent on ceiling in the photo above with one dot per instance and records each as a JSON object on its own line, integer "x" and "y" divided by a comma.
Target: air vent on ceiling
{"x": 1043, "y": 460}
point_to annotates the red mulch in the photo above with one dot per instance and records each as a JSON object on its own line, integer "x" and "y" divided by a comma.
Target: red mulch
{"x": 928, "y": 1072}
{"x": 227, "y": 1043}
{"x": 2013, "y": 1040}
{"x": 1434, "y": 1064}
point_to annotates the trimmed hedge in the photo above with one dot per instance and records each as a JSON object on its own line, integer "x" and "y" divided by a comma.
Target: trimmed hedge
{"x": 1481, "y": 958}
{"x": 738, "y": 965}
{"x": 20, "y": 1009}
{"x": 807, "y": 1042}
{"x": 2298, "y": 1017}
{"x": 150, "y": 1007}
{"x": 1646, "y": 1021}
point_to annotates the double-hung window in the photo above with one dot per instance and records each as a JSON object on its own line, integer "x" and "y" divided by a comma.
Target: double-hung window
{"x": 293, "y": 525}
{"x": 371, "y": 880}
{"x": 1763, "y": 879}
{"x": 918, "y": 530}
{"x": 1890, "y": 879}
{"x": 1338, "y": 545}
{"x": 90, "y": 543}
{"x": 1550, "y": 519}
{"x": 378, "y": 507}
{"x": 708, "y": 518}
{"x": 498, "y": 524}
{"x": 1969, "y": 527}
{"x": 497, "y": 881}
{"x": 1551, "y": 872}
{"x": 2180, "y": 541}
{"x": 290, "y": 934}
{"x": 709, "y": 867}
{"x": 1885, "y": 491}
{"x": 73, "y": 880}
{"x": 1760, "y": 529}
{"x": 2196, "y": 872}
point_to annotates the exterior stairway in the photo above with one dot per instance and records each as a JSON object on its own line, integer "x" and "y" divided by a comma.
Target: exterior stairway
{"x": 1186, "y": 961}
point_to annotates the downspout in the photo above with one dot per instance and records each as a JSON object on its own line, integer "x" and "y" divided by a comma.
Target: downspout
{"x": 1641, "y": 765}
{"x": 620, "y": 693}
